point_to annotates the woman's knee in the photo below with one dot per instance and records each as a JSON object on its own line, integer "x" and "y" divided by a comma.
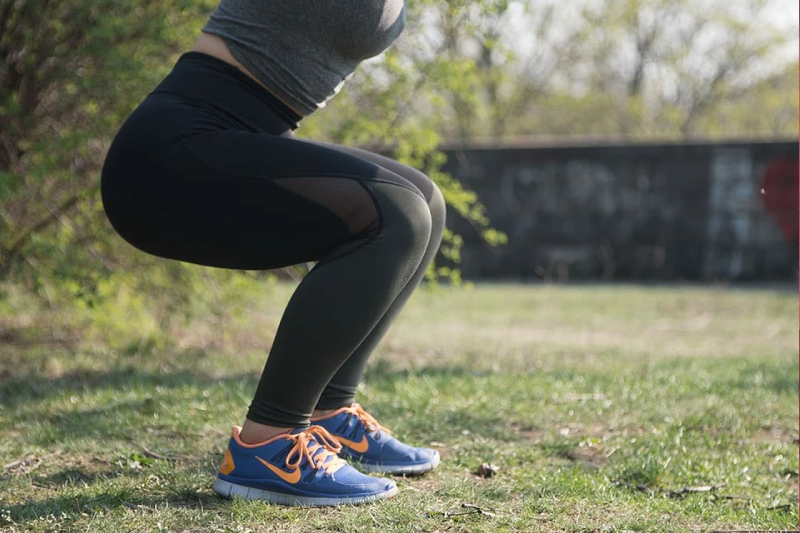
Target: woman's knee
{"x": 406, "y": 218}
{"x": 438, "y": 209}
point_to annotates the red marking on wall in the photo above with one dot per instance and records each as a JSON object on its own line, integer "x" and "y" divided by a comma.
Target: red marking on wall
{"x": 780, "y": 190}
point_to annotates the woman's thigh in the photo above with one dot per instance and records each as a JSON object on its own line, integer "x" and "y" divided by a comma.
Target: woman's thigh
{"x": 246, "y": 200}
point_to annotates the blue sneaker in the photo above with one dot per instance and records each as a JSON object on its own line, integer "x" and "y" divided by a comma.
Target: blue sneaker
{"x": 299, "y": 468}
{"x": 370, "y": 445}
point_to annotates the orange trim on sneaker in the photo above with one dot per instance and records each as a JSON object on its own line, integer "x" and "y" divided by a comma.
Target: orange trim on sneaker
{"x": 289, "y": 477}
{"x": 358, "y": 447}
{"x": 227, "y": 465}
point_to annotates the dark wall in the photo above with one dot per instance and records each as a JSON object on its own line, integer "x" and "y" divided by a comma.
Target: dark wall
{"x": 633, "y": 212}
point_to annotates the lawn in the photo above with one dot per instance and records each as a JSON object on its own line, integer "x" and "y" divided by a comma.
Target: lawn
{"x": 604, "y": 408}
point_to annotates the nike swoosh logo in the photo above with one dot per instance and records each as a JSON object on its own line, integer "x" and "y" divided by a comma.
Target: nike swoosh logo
{"x": 360, "y": 447}
{"x": 290, "y": 477}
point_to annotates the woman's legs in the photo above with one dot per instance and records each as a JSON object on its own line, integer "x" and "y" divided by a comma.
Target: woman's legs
{"x": 341, "y": 389}
{"x": 245, "y": 200}
{"x": 205, "y": 171}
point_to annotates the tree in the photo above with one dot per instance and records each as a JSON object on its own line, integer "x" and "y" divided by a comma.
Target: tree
{"x": 72, "y": 70}
{"x": 768, "y": 108}
{"x": 623, "y": 68}
{"x": 647, "y": 68}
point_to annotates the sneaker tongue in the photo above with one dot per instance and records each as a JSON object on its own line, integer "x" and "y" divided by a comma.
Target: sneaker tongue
{"x": 367, "y": 431}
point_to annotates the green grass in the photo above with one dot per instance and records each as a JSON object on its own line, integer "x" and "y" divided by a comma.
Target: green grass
{"x": 598, "y": 405}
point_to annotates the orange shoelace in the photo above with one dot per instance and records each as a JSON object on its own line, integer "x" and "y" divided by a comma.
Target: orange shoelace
{"x": 367, "y": 419}
{"x": 306, "y": 444}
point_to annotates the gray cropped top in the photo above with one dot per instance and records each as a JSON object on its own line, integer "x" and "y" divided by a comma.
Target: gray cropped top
{"x": 304, "y": 50}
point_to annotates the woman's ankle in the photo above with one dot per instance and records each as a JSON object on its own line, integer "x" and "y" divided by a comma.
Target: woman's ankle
{"x": 255, "y": 433}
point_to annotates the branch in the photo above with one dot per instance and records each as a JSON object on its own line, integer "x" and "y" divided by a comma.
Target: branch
{"x": 12, "y": 251}
{"x": 702, "y": 102}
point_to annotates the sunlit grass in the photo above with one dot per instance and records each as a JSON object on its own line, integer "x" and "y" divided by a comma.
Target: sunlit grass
{"x": 601, "y": 406}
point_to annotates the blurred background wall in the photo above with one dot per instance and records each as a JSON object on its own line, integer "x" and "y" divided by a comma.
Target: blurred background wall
{"x": 691, "y": 211}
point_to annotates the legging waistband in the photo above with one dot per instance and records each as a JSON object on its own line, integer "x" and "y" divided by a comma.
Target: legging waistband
{"x": 217, "y": 84}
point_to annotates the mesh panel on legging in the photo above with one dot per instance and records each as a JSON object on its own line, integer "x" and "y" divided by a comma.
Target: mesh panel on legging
{"x": 344, "y": 197}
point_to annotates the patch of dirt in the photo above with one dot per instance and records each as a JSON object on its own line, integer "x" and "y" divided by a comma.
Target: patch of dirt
{"x": 27, "y": 464}
{"x": 599, "y": 430}
{"x": 774, "y": 434}
{"x": 591, "y": 456}
{"x": 527, "y": 433}
{"x": 426, "y": 483}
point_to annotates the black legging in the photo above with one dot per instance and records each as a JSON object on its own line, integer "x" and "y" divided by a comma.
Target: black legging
{"x": 207, "y": 170}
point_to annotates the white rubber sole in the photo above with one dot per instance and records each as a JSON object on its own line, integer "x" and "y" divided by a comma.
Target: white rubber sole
{"x": 411, "y": 470}
{"x": 227, "y": 489}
